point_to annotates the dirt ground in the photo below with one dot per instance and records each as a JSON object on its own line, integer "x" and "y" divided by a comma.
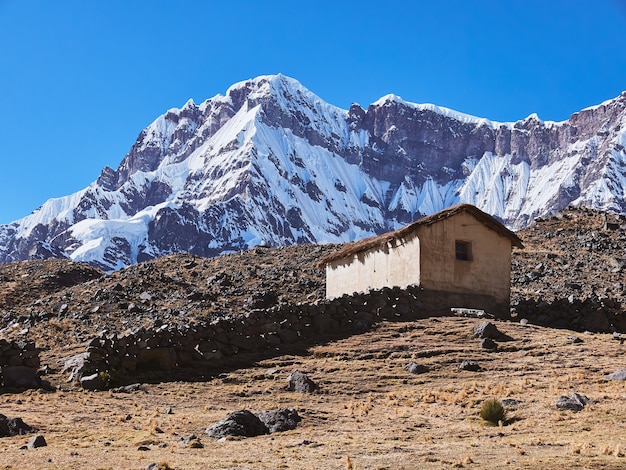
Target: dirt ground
{"x": 369, "y": 412}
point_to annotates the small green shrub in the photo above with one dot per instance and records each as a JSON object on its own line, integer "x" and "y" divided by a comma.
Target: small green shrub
{"x": 492, "y": 411}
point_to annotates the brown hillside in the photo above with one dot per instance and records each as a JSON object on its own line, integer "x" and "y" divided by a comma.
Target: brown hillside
{"x": 369, "y": 412}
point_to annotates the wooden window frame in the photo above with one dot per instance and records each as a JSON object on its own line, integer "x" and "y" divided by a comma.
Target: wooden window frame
{"x": 463, "y": 250}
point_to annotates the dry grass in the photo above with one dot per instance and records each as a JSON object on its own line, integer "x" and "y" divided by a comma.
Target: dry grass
{"x": 369, "y": 414}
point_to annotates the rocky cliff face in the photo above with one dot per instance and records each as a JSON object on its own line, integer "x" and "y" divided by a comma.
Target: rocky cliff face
{"x": 270, "y": 163}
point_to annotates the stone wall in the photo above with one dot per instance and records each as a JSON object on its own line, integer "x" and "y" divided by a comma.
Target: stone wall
{"x": 19, "y": 361}
{"x": 264, "y": 331}
{"x": 165, "y": 348}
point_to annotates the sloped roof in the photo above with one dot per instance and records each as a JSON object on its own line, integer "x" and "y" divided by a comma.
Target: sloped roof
{"x": 351, "y": 249}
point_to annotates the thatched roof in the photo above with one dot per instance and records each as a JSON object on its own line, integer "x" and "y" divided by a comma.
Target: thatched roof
{"x": 351, "y": 249}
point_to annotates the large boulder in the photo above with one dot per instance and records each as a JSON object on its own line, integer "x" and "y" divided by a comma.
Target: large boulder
{"x": 13, "y": 427}
{"x": 92, "y": 382}
{"x": 280, "y": 420}
{"x": 238, "y": 423}
{"x": 300, "y": 382}
{"x": 487, "y": 329}
{"x": 575, "y": 402}
{"x": 617, "y": 375}
{"x": 75, "y": 365}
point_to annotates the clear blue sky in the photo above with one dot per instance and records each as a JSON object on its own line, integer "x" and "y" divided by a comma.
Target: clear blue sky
{"x": 80, "y": 79}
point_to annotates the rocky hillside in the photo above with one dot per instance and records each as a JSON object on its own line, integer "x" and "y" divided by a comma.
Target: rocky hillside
{"x": 570, "y": 274}
{"x": 270, "y": 163}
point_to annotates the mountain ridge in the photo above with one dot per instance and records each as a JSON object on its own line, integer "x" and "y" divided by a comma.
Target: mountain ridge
{"x": 271, "y": 163}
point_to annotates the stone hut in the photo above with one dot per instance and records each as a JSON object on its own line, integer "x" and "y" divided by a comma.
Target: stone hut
{"x": 461, "y": 256}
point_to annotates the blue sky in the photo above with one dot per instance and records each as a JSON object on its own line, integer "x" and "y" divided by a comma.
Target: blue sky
{"x": 79, "y": 79}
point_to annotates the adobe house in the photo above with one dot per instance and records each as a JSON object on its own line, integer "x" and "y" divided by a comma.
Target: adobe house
{"x": 461, "y": 257}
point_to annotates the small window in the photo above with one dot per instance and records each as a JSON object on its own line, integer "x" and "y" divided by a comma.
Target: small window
{"x": 463, "y": 250}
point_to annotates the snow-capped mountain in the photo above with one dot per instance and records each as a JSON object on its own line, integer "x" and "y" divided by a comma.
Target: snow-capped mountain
{"x": 271, "y": 163}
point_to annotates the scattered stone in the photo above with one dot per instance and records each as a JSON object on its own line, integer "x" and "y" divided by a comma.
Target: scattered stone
{"x": 510, "y": 402}
{"x": 470, "y": 313}
{"x": 92, "y": 382}
{"x": 300, "y": 382}
{"x": 524, "y": 321}
{"x": 188, "y": 439}
{"x": 195, "y": 444}
{"x": 487, "y": 329}
{"x": 239, "y": 423}
{"x": 574, "y": 340}
{"x": 168, "y": 410}
{"x": 488, "y": 343}
{"x": 469, "y": 365}
{"x": 128, "y": 388}
{"x": 575, "y": 402}
{"x": 280, "y": 420}
{"x": 13, "y": 427}
{"x": 21, "y": 377}
{"x": 76, "y": 365}
{"x": 617, "y": 375}
{"x": 36, "y": 441}
{"x": 46, "y": 370}
{"x": 415, "y": 368}
{"x": 143, "y": 448}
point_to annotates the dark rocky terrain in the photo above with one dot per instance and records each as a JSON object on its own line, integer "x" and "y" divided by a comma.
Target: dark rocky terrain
{"x": 571, "y": 268}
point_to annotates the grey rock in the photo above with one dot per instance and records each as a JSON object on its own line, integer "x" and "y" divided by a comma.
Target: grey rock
{"x": 511, "y": 402}
{"x": 415, "y": 368}
{"x": 128, "y": 388}
{"x": 300, "y": 382}
{"x": 280, "y": 420}
{"x": 92, "y": 382}
{"x": 21, "y": 377}
{"x": 470, "y": 366}
{"x": 617, "y": 375}
{"x": 186, "y": 440}
{"x": 75, "y": 365}
{"x": 487, "y": 329}
{"x": 239, "y": 423}
{"x": 488, "y": 343}
{"x": 37, "y": 441}
{"x": 13, "y": 427}
{"x": 575, "y": 402}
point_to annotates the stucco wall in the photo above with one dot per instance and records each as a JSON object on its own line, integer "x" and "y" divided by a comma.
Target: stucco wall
{"x": 487, "y": 273}
{"x": 393, "y": 266}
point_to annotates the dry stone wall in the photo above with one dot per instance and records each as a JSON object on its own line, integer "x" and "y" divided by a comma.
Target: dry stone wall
{"x": 167, "y": 347}
{"x": 19, "y": 361}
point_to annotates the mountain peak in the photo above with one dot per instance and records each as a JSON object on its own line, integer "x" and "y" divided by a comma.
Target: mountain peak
{"x": 271, "y": 163}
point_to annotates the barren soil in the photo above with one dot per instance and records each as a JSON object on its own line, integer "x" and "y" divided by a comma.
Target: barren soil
{"x": 369, "y": 412}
